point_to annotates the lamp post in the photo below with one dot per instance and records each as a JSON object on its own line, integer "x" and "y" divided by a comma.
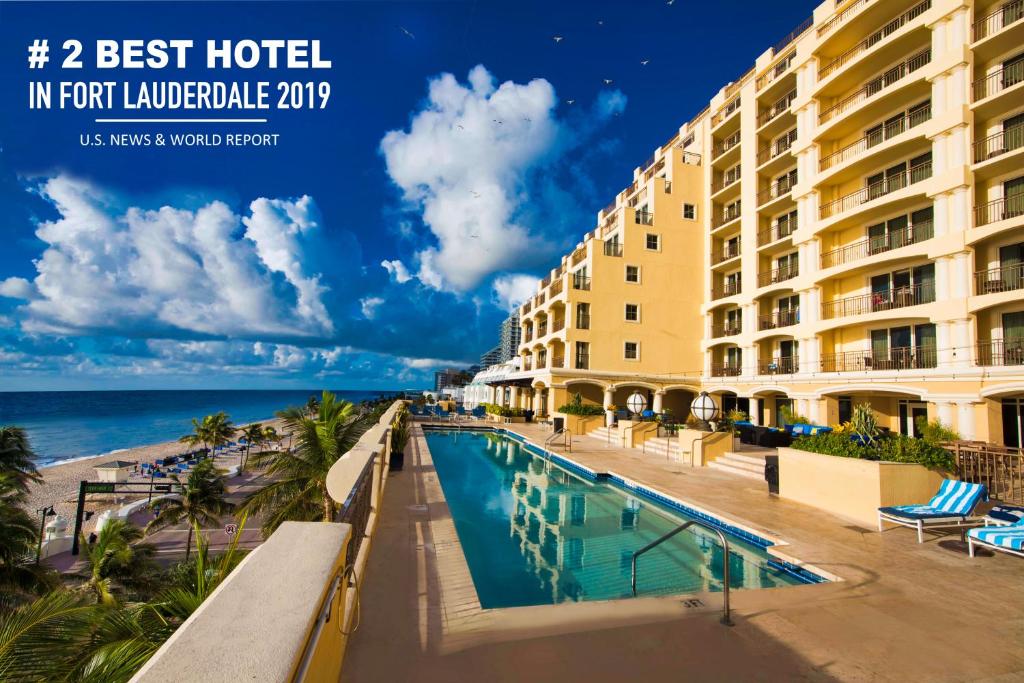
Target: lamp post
{"x": 704, "y": 409}
{"x": 43, "y": 513}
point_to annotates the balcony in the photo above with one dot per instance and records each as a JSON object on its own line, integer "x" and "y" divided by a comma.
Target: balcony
{"x": 727, "y": 216}
{"x": 724, "y": 182}
{"x": 869, "y": 246}
{"x": 558, "y": 361}
{"x": 890, "y": 130}
{"x": 725, "y": 370}
{"x": 777, "y": 319}
{"x": 876, "y": 85}
{"x": 999, "y": 144}
{"x": 728, "y": 252}
{"x": 527, "y": 307}
{"x": 776, "y": 232}
{"x": 783, "y": 365}
{"x": 726, "y": 329}
{"x": 556, "y": 288}
{"x": 839, "y": 18}
{"x": 542, "y": 330}
{"x": 910, "y": 358}
{"x": 725, "y": 112}
{"x": 1004, "y": 279}
{"x": 582, "y": 361}
{"x": 558, "y": 325}
{"x": 528, "y": 335}
{"x": 1000, "y": 353}
{"x": 772, "y": 151}
{"x": 775, "y": 72}
{"x": 891, "y": 184}
{"x": 886, "y": 300}
{"x": 777, "y": 275}
{"x": 998, "y": 210}
{"x": 612, "y": 249}
{"x": 726, "y": 289}
{"x": 644, "y": 218}
{"x": 527, "y": 363}
{"x": 874, "y": 38}
{"x": 997, "y": 82}
{"x": 995, "y": 22}
{"x": 720, "y": 148}
{"x": 774, "y": 111}
{"x": 581, "y": 282}
{"x": 779, "y": 188}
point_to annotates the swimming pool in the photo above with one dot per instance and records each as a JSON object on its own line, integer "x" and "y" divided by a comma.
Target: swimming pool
{"x": 537, "y": 530}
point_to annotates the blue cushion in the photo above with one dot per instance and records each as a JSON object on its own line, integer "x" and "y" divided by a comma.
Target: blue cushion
{"x": 1008, "y": 514}
{"x": 1011, "y": 537}
{"x": 916, "y": 512}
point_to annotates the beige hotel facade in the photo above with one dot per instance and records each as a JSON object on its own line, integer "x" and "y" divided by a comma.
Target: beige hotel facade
{"x": 843, "y": 223}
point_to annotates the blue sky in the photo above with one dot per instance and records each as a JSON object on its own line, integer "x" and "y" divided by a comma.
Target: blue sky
{"x": 385, "y": 235}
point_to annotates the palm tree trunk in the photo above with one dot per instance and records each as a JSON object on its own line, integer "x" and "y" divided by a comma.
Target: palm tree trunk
{"x": 241, "y": 467}
{"x": 188, "y": 543}
{"x": 328, "y": 505}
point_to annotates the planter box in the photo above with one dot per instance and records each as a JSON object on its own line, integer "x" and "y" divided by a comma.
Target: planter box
{"x": 582, "y": 424}
{"x": 504, "y": 420}
{"x": 853, "y": 488}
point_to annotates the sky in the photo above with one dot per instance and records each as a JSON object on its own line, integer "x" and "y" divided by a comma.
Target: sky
{"x": 463, "y": 149}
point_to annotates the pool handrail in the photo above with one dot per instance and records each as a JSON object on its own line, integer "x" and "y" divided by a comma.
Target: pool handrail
{"x": 566, "y": 441}
{"x": 682, "y": 527}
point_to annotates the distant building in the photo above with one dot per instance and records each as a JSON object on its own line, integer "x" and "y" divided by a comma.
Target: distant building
{"x": 451, "y": 377}
{"x": 511, "y": 335}
{"x": 492, "y": 357}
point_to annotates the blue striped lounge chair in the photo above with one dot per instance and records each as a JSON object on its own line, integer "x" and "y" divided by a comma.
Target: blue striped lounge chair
{"x": 952, "y": 507}
{"x": 1004, "y": 515}
{"x": 1004, "y": 539}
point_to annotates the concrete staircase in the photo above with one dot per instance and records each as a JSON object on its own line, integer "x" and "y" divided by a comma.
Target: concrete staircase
{"x": 663, "y": 447}
{"x": 602, "y": 435}
{"x": 745, "y": 463}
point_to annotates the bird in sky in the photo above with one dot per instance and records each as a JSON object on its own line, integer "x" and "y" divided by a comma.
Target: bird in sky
{"x": 608, "y": 81}
{"x": 644, "y": 62}
{"x": 460, "y": 126}
{"x": 527, "y": 119}
{"x": 475, "y": 193}
{"x": 498, "y": 122}
{"x": 670, "y": 2}
{"x": 570, "y": 101}
{"x": 557, "y": 39}
{"x": 407, "y": 32}
{"x": 600, "y": 22}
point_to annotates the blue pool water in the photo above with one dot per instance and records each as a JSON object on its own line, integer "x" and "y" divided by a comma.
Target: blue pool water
{"x": 535, "y": 533}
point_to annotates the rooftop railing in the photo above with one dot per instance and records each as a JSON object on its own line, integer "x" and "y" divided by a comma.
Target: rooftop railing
{"x": 782, "y": 365}
{"x": 792, "y": 35}
{"x": 777, "y": 319}
{"x": 890, "y": 184}
{"x": 779, "y": 188}
{"x": 726, "y": 289}
{"x": 1008, "y": 13}
{"x": 885, "y": 300}
{"x": 780, "y": 68}
{"x": 774, "y": 111}
{"x": 888, "y": 130}
{"x": 869, "y": 246}
{"x": 726, "y": 329}
{"x": 874, "y": 38}
{"x": 771, "y": 277}
{"x": 729, "y": 251}
{"x": 909, "y": 358}
{"x": 1002, "y": 279}
{"x": 876, "y": 85}
{"x": 999, "y": 144}
{"x": 998, "y": 81}
{"x": 1000, "y": 353}
{"x": 999, "y": 210}
{"x": 838, "y": 18}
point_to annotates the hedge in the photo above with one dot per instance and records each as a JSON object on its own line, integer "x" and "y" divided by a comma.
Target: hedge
{"x": 889, "y": 448}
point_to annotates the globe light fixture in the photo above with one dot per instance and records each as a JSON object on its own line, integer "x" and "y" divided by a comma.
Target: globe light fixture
{"x": 704, "y": 409}
{"x": 636, "y": 403}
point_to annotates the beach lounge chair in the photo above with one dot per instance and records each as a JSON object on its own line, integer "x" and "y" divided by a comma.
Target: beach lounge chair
{"x": 1008, "y": 538}
{"x": 1004, "y": 515}
{"x": 951, "y": 507}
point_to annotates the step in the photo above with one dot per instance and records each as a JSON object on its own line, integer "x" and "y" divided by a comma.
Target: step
{"x": 741, "y": 464}
{"x": 750, "y": 458}
{"x": 733, "y": 469}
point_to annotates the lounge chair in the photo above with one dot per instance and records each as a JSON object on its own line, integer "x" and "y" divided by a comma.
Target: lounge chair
{"x": 1005, "y": 539}
{"x": 951, "y": 507}
{"x": 1004, "y": 515}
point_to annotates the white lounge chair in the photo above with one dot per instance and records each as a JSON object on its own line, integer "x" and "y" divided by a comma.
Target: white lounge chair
{"x": 1005, "y": 539}
{"x": 952, "y": 507}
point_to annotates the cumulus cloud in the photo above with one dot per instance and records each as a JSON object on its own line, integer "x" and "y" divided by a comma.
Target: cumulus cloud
{"x": 463, "y": 162}
{"x": 397, "y": 270}
{"x": 369, "y": 306}
{"x": 171, "y": 271}
{"x": 512, "y": 290}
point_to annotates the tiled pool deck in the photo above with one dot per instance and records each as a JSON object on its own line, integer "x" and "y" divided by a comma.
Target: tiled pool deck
{"x": 903, "y": 611}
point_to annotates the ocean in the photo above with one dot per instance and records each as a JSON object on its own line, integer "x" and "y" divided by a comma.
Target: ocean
{"x": 65, "y": 425}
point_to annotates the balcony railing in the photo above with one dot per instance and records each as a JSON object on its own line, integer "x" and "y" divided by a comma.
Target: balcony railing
{"x": 1003, "y": 279}
{"x": 995, "y": 22}
{"x": 527, "y": 307}
{"x": 771, "y": 277}
{"x": 528, "y": 336}
{"x": 889, "y": 130}
{"x": 776, "y": 319}
{"x": 909, "y": 358}
{"x": 838, "y": 18}
{"x": 726, "y": 329}
{"x": 725, "y": 370}
{"x": 790, "y": 37}
{"x": 542, "y": 330}
{"x": 612, "y": 249}
{"x": 886, "y": 300}
{"x": 783, "y": 365}
{"x": 645, "y": 218}
{"x": 729, "y": 251}
{"x": 766, "y": 154}
{"x": 876, "y": 85}
{"x": 890, "y": 184}
{"x": 556, "y": 288}
{"x": 724, "y": 182}
{"x": 999, "y": 468}
{"x": 558, "y": 324}
{"x": 723, "y": 217}
{"x": 774, "y": 111}
{"x": 1000, "y": 352}
{"x": 869, "y": 246}
{"x": 581, "y": 282}
{"x": 875, "y": 38}
{"x": 558, "y": 361}
{"x": 775, "y": 232}
{"x": 726, "y": 111}
{"x": 582, "y": 361}
{"x": 779, "y": 188}
{"x": 999, "y": 210}
{"x": 999, "y": 81}
{"x": 720, "y": 148}
{"x": 527, "y": 363}
{"x": 726, "y": 289}
{"x": 999, "y": 144}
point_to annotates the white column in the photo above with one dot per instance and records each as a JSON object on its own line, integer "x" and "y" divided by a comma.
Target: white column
{"x": 657, "y": 406}
{"x": 513, "y": 399}
{"x": 944, "y": 410}
{"x": 965, "y": 420}
{"x": 538, "y": 405}
{"x": 755, "y": 410}
{"x": 801, "y": 406}
{"x": 609, "y": 416}
{"x": 815, "y": 410}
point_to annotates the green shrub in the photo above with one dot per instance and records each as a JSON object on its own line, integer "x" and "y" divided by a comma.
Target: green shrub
{"x": 577, "y": 407}
{"x": 791, "y": 417}
{"x": 502, "y": 411}
{"x": 933, "y": 431}
{"x": 864, "y": 422}
{"x": 890, "y": 448}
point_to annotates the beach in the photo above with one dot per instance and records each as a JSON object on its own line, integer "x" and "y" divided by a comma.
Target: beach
{"x": 60, "y": 484}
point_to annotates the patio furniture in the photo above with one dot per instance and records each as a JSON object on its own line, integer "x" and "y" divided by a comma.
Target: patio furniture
{"x": 1005, "y": 539}
{"x": 1004, "y": 515}
{"x": 951, "y": 507}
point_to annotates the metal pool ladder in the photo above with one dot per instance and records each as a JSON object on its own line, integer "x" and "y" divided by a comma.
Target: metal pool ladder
{"x": 566, "y": 441}
{"x": 686, "y": 525}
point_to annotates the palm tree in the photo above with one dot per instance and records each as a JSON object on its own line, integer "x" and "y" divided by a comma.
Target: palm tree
{"x": 201, "y": 503}
{"x": 20, "y": 576}
{"x": 254, "y": 435}
{"x": 211, "y": 432}
{"x": 17, "y": 460}
{"x": 117, "y": 557}
{"x": 312, "y": 406}
{"x": 270, "y": 435}
{"x": 297, "y": 487}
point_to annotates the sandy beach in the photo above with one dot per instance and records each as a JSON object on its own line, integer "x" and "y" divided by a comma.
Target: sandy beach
{"x": 60, "y": 482}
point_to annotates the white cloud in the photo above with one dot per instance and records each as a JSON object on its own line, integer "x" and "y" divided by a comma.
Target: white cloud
{"x": 369, "y": 306}
{"x": 173, "y": 269}
{"x": 512, "y": 290}
{"x": 17, "y": 288}
{"x": 397, "y": 270}
{"x": 430, "y": 363}
{"x": 463, "y": 162}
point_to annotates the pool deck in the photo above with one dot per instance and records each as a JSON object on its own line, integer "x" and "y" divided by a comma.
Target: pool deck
{"x": 903, "y": 611}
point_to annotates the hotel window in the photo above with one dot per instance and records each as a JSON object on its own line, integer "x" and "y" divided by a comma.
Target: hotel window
{"x": 582, "y": 316}
{"x": 907, "y": 287}
{"x": 632, "y": 273}
{"x": 582, "y": 355}
{"x": 734, "y": 357}
{"x": 633, "y": 313}
{"x": 690, "y": 212}
{"x": 631, "y": 350}
{"x": 653, "y": 242}
{"x": 786, "y": 224}
{"x": 905, "y": 347}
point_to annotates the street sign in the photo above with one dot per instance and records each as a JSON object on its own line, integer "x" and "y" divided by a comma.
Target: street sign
{"x": 162, "y": 488}
{"x": 230, "y": 529}
{"x": 92, "y": 487}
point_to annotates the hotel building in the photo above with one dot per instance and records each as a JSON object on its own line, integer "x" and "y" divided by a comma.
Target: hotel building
{"x": 844, "y": 223}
